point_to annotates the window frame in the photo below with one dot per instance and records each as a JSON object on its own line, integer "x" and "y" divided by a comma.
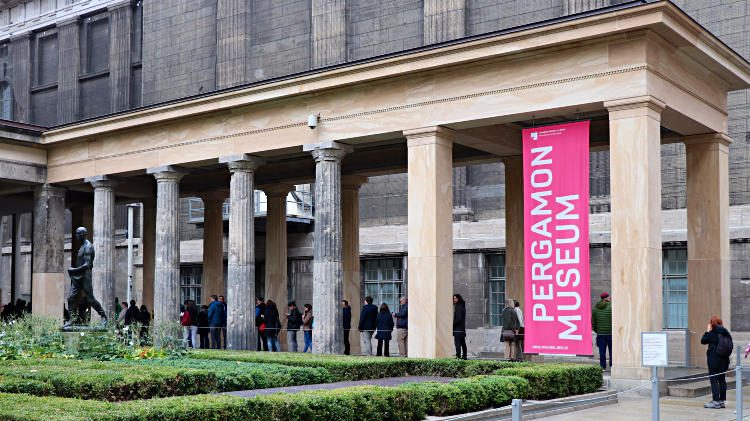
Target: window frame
{"x": 194, "y": 289}
{"x": 667, "y": 291}
{"x": 398, "y": 281}
{"x": 36, "y": 54}
{"x": 501, "y": 280}
{"x": 85, "y": 70}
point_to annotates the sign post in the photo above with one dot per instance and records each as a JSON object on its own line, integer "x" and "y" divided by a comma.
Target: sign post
{"x": 654, "y": 354}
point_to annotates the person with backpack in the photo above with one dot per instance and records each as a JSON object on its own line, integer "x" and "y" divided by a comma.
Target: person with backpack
{"x": 215, "y": 318}
{"x": 720, "y": 347}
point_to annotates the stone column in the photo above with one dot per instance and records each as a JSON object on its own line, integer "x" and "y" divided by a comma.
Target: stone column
{"x": 120, "y": 61}
{"x": 167, "y": 244}
{"x": 514, "y": 242}
{"x": 16, "y": 262}
{"x": 103, "y": 238}
{"x": 241, "y": 332}
{"x": 213, "y": 244}
{"x": 148, "y": 242}
{"x": 48, "y": 279}
{"x": 328, "y": 32}
{"x": 635, "y": 173}
{"x": 350, "y": 185}
{"x": 444, "y": 20}
{"x": 328, "y": 258}
{"x": 578, "y": 6}
{"x": 430, "y": 160}
{"x": 276, "y": 249}
{"x": 68, "y": 65}
{"x": 708, "y": 236}
{"x": 233, "y": 31}
{"x": 20, "y": 60}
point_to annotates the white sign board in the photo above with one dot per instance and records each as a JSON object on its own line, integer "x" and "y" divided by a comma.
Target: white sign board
{"x": 654, "y": 349}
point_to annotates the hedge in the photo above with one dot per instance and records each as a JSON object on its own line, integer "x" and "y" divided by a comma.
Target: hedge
{"x": 406, "y": 402}
{"x": 348, "y": 368}
{"x": 550, "y": 381}
{"x": 118, "y": 381}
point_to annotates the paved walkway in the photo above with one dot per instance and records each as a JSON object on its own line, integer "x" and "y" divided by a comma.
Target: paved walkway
{"x": 671, "y": 408}
{"x": 389, "y": 382}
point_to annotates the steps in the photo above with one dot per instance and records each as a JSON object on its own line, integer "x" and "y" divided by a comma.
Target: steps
{"x": 697, "y": 388}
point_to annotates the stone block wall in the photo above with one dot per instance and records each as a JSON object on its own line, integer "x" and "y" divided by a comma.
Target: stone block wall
{"x": 280, "y": 38}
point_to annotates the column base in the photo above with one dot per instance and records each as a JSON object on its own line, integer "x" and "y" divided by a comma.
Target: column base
{"x": 48, "y": 294}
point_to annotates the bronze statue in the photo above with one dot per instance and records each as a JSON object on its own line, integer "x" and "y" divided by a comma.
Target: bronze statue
{"x": 81, "y": 287}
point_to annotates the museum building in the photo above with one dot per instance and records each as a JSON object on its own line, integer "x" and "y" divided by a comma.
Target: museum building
{"x": 320, "y": 150}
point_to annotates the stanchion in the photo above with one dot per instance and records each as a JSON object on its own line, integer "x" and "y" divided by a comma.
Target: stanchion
{"x": 738, "y": 384}
{"x": 654, "y": 394}
{"x": 516, "y": 411}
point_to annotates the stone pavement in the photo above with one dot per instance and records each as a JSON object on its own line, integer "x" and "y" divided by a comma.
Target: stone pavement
{"x": 388, "y": 382}
{"x": 671, "y": 408}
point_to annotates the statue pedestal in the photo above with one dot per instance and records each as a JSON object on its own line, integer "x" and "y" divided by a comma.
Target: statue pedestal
{"x": 72, "y": 336}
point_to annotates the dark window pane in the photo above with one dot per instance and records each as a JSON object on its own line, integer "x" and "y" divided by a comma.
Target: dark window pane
{"x": 97, "y": 45}
{"x": 95, "y": 97}
{"x": 47, "y": 60}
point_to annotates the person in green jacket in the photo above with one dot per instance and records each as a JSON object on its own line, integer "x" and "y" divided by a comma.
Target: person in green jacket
{"x": 601, "y": 322}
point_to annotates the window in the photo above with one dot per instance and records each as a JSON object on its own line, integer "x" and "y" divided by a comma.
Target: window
{"x": 191, "y": 283}
{"x": 6, "y": 101}
{"x": 675, "y": 288}
{"x": 496, "y": 288}
{"x": 95, "y": 57}
{"x": 384, "y": 281}
{"x": 45, "y": 66}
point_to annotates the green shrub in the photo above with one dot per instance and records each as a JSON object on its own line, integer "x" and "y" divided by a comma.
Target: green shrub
{"x": 30, "y": 337}
{"x": 347, "y": 368}
{"x": 367, "y": 403}
{"x": 549, "y": 381}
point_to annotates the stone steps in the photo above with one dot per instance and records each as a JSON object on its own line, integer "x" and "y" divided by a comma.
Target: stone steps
{"x": 697, "y": 388}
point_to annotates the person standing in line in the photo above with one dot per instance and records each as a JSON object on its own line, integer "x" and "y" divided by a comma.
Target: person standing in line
{"x": 521, "y": 331}
{"x": 459, "y": 326}
{"x": 347, "y": 324}
{"x": 132, "y": 314}
{"x": 203, "y": 328}
{"x": 402, "y": 326}
{"x": 367, "y": 322}
{"x": 223, "y": 303}
{"x": 601, "y": 323}
{"x": 273, "y": 326}
{"x": 144, "y": 318}
{"x": 720, "y": 347}
{"x": 215, "y": 318}
{"x": 293, "y": 323}
{"x": 307, "y": 325}
{"x": 384, "y": 324}
{"x": 510, "y": 329}
{"x": 260, "y": 325}
{"x": 121, "y": 314}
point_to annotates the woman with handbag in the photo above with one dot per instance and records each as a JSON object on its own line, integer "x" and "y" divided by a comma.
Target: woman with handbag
{"x": 459, "y": 326}
{"x": 510, "y": 329}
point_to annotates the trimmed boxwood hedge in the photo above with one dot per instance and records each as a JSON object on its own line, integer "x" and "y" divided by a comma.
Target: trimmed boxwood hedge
{"x": 125, "y": 380}
{"x": 348, "y": 368}
{"x": 406, "y": 402}
{"x": 550, "y": 381}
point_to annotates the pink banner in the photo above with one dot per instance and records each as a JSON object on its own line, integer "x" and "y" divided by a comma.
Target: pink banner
{"x": 556, "y": 240}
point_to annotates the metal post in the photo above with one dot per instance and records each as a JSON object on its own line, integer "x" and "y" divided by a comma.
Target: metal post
{"x": 654, "y": 394}
{"x": 738, "y": 384}
{"x": 130, "y": 252}
{"x": 516, "y": 409}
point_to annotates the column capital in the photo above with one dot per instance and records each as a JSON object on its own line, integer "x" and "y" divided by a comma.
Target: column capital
{"x": 49, "y": 190}
{"x": 101, "y": 182}
{"x": 277, "y": 190}
{"x": 429, "y": 135}
{"x": 328, "y": 151}
{"x": 214, "y": 196}
{"x": 242, "y": 162}
{"x": 353, "y": 182}
{"x": 645, "y": 101}
{"x": 708, "y": 138}
{"x": 166, "y": 173}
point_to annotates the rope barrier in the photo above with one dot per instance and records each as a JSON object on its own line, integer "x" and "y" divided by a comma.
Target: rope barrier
{"x": 684, "y": 379}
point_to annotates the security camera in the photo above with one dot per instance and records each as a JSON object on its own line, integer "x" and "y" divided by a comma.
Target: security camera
{"x": 312, "y": 121}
